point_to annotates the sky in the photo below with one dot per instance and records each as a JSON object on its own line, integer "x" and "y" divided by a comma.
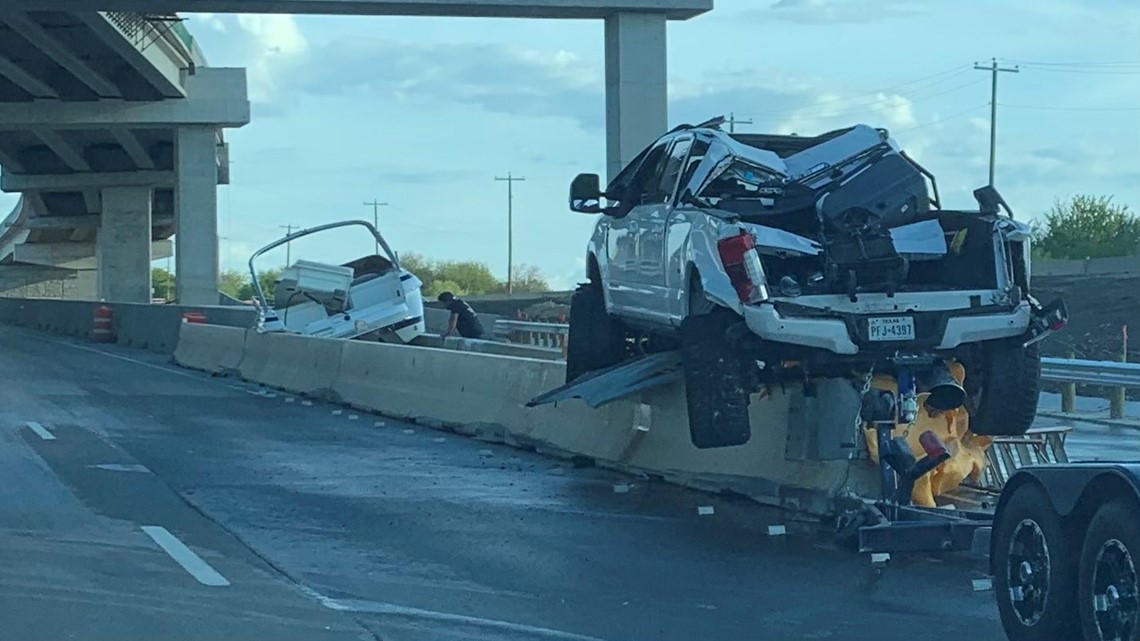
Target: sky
{"x": 424, "y": 113}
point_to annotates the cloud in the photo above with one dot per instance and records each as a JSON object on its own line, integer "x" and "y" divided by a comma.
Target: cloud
{"x": 211, "y": 20}
{"x": 495, "y": 77}
{"x": 275, "y": 46}
{"x": 822, "y": 12}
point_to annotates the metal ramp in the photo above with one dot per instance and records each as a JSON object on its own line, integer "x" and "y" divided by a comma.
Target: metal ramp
{"x": 1007, "y": 454}
{"x": 619, "y": 381}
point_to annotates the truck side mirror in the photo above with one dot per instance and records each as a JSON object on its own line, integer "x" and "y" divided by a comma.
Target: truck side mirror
{"x": 586, "y": 194}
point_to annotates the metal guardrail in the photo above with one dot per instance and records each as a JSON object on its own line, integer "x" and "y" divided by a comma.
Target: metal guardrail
{"x": 552, "y": 335}
{"x": 1106, "y": 373}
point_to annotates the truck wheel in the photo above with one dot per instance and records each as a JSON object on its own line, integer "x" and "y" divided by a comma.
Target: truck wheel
{"x": 1011, "y": 382}
{"x": 1108, "y": 594}
{"x": 596, "y": 339}
{"x": 1035, "y": 569}
{"x": 715, "y": 389}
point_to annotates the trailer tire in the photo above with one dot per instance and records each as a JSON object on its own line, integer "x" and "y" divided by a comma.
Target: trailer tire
{"x": 1010, "y": 385}
{"x": 1034, "y": 552}
{"x": 715, "y": 391}
{"x": 596, "y": 340}
{"x": 1108, "y": 569}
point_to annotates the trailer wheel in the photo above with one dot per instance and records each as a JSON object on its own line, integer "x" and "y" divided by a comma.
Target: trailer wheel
{"x": 1035, "y": 569}
{"x": 1108, "y": 594}
{"x": 715, "y": 384}
{"x": 596, "y": 339}
{"x": 1010, "y": 385}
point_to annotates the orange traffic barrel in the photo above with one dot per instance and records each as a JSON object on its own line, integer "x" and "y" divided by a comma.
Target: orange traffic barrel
{"x": 103, "y": 327}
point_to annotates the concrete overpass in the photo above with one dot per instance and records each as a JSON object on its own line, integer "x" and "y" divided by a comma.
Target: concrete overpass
{"x": 111, "y": 130}
{"x": 635, "y": 43}
{"x": 110, "y": 127}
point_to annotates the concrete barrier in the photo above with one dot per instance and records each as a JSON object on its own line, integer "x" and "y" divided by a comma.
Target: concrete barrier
{"x": 297, "y": 363}
{"x": 211, "y": 348}
{"x": 153, "y": 327}
{"x": 484, "y": 395}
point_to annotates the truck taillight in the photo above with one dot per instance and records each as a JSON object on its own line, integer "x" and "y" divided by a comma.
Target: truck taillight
{"x": 742, "y": 264}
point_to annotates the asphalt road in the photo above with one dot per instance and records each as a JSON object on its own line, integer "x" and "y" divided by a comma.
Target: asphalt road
{"x": 327, "y": 523}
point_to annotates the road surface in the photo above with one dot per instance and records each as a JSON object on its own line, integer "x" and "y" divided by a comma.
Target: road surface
{"x": 325, "y": 523}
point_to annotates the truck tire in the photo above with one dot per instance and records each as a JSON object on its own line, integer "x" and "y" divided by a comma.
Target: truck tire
{"x": 1107, "y": 590}
{"x": 596, "y": 340}
{"x": 715, "y": 389}
{"x": 1011, "y": 382}
{"x": 1035, "y": 558}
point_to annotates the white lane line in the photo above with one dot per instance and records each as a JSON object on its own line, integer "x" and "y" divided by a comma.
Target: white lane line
{"x": 391, "y": 609}
{"x": 185, "y": 557}
{"x": 40, "y": 431}
{"x": 168, "y": 370}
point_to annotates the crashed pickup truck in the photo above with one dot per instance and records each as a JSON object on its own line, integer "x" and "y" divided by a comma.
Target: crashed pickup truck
{"x": 370, "y": 298}
{"x": 772, "y": 260}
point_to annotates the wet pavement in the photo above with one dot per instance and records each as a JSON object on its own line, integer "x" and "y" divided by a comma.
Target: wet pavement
{"x": 332, "y": 523}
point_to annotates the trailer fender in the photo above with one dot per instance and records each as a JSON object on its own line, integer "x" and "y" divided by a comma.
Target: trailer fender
{"x": 1076, "y": 490}
{"x": 1069, "y": 486}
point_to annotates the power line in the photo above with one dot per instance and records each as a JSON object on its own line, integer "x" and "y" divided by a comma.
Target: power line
{"x": 994, "y": 70}
{"x": 376, "y": 205}
{"x": 1051, "y": 108}
{"x": 288, "y": 230}
{"x": 732, "y": 122}
{"x": 943, "y": 119}
{"x": 510, "y": 180}
{"x": 1085, "y": 72}
{"x": 887, "y": 107}
{"x": 941, "y": 76}
{"x": 1045, "y": 63}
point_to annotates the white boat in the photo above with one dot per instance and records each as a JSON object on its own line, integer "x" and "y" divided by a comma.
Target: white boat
{"x": 370, "y": 298}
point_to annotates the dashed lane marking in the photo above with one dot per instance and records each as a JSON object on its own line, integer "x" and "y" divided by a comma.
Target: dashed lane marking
{"x": 40, "y": 431}
{"x": 185, "y": 557}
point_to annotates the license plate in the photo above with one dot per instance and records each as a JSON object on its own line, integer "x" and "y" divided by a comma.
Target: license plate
{"x": 891, "y": 328}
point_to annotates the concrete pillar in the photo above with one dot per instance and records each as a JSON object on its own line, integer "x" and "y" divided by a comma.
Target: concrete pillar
{"x": 196, "y": 216}
{"x": 636, "y": 110}
{"x": 123, "y": 245}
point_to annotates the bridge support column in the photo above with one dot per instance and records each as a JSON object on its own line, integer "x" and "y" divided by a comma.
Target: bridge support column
{"x": 196, "y": 216}
{"x": 123, "y": 245}
{"x": 636, "y": 110}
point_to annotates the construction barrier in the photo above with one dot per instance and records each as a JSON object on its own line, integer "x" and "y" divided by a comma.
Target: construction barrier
{"x": 103, "y": 325}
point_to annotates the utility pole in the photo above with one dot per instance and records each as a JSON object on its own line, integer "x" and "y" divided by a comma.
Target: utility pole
{"x": 732, "y": 122}
{"x": 994, "y": 69}
{"x": 288, "y": 255}
{"x": 510, "y": 180}
{"x": 376, "y": 205}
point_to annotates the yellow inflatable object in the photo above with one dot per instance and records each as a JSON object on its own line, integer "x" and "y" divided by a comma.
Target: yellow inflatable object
{"x": 967, "y": 450}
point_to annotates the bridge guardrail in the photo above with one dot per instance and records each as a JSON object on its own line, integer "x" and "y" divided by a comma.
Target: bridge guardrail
{"x": 1120, "y": 376}
{"x": 551, "y": 335}
{"x": 1107, "y": 373}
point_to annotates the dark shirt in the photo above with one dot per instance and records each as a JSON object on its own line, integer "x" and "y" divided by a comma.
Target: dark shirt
{"x": 468, "y": 323}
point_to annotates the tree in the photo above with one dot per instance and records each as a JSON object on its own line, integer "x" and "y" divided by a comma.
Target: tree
{"x": 468, "y": 277}
{"x": 163, "y": 283}
{"x": 236, "y": 283}
{"x": 1088, "y": 227}
{"x": 528, "y": 278}
{"x": 231, "y": 282}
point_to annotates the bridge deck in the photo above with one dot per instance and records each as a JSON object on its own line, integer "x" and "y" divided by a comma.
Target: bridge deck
{"x": 405, "y": 531}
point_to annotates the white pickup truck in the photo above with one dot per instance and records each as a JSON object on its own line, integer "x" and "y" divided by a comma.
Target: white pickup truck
{"x": 774, "y": 259}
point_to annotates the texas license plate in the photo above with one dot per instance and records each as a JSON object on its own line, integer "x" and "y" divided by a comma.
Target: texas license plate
{"x": 891, "y": 328}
